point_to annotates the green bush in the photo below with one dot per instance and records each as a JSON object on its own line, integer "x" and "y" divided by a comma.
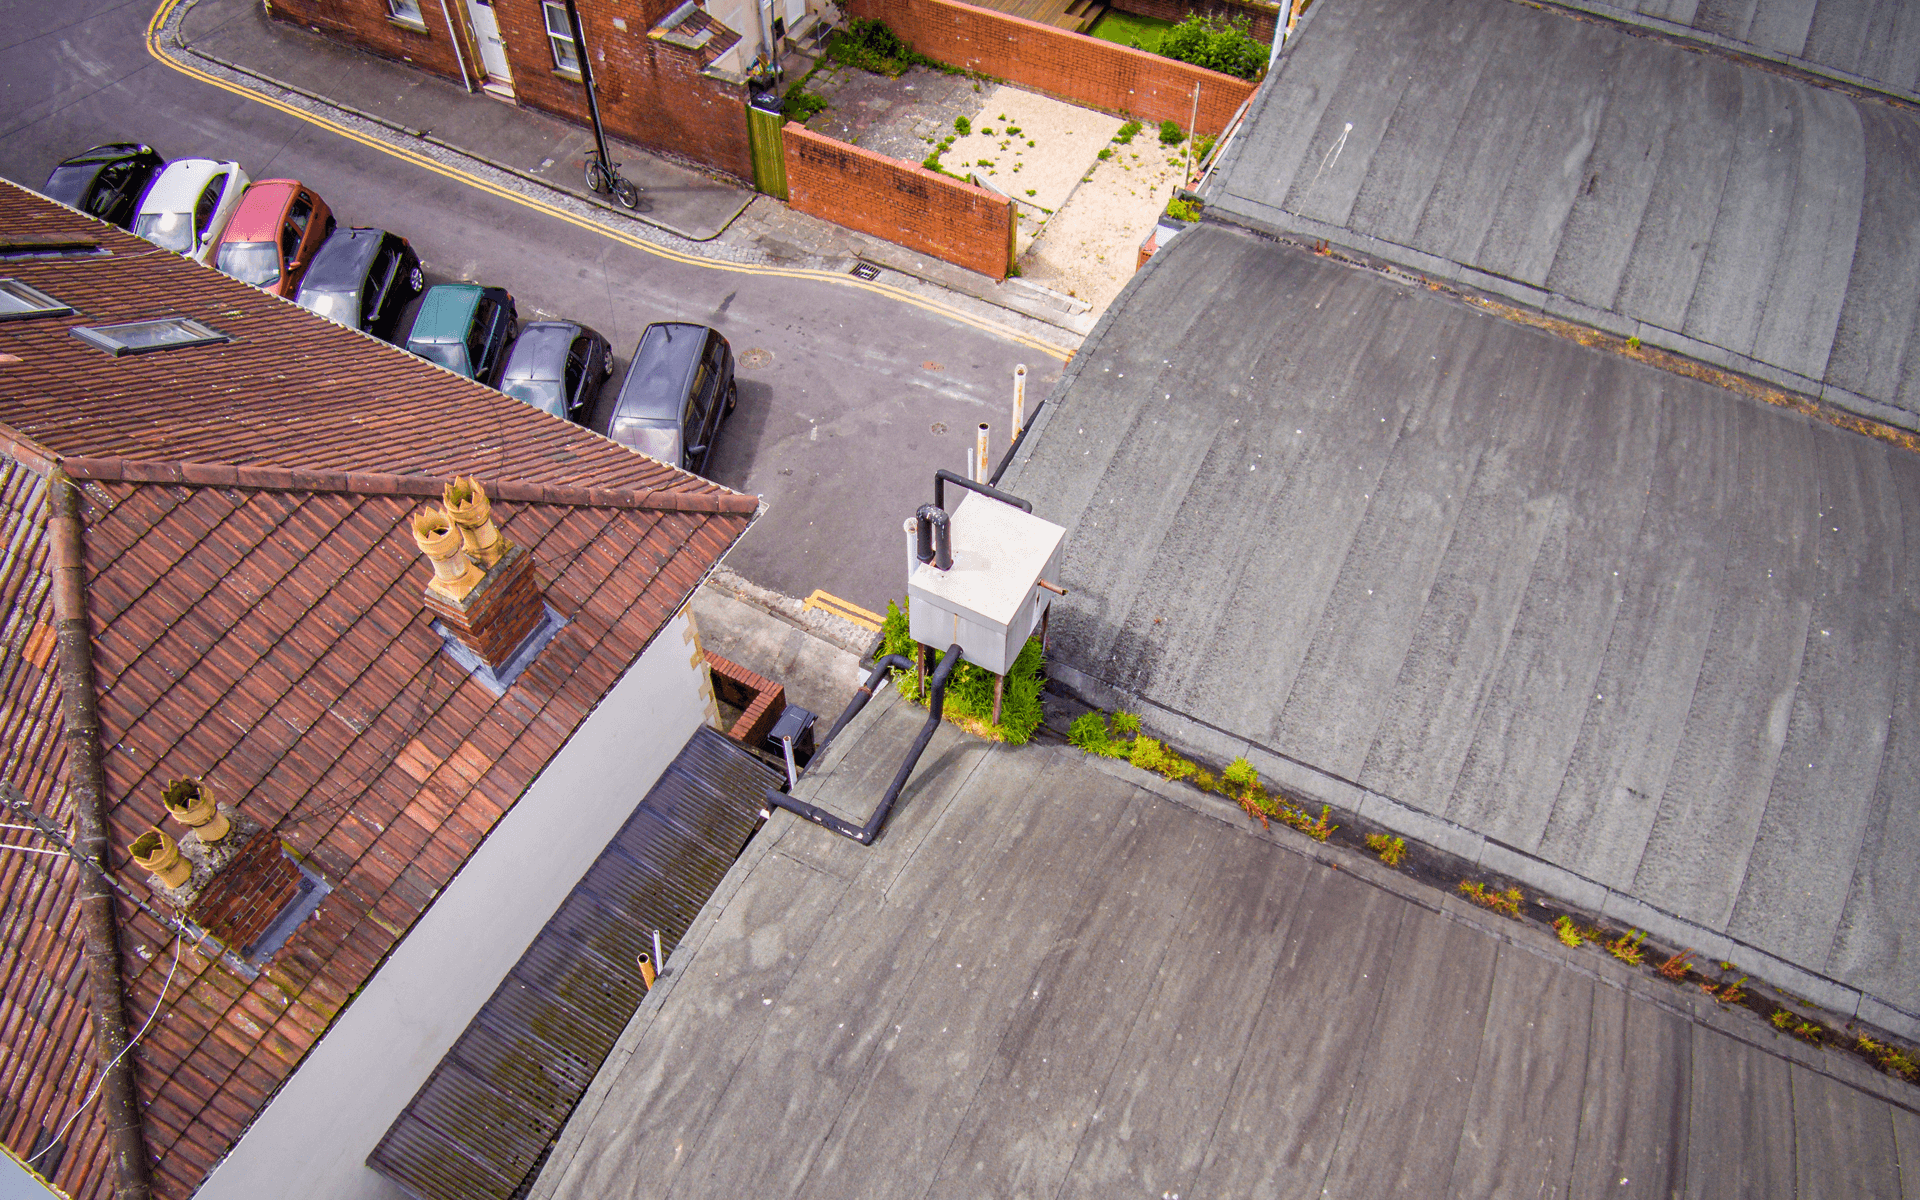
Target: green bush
{"x": 1126, "y": 132}
{"x": 962, "y": 126}
{"x": 1126, "y": 724}
{"x": 1239, "y": 777}
{"x": 871, "y": 46}
{"x": 1171, "y": 133}
{"x": 1216, "y": 45}
{"x": 800, "y": 104}
{"x": 970, "y": 688}
{"x": 1183, "y": 210}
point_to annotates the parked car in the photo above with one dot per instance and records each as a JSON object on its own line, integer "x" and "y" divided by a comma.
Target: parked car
{"x": 558, "y": 367}
{"x": 188, "y": 207}
{"x": 106, "y": 181}
{"x": 274, "y": 234}
{"x": 675, "y": 394}
{"x": 362, "y": 278}
{"x": 465, "y": 328}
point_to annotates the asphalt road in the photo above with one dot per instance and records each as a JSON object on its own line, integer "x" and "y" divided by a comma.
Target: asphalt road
{"x": 861, "y": 397}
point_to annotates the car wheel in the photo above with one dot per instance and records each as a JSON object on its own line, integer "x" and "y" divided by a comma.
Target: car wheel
{"x": 606, "y": 369}
{"x": 733, "y": 395}
{"x": 417, "y": 279}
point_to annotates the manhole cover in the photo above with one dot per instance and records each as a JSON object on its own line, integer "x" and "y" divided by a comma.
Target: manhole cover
{"x": 756, "y": 358}
{"x": 938, "y": 427}
{"x": 865, "y": 270}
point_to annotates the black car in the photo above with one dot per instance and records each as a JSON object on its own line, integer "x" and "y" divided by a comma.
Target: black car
{"x": 106, "y": 181}
{"x": 676, "y": 392}
{"x": 558, "y": 367}
{"x": 362, "y": 278}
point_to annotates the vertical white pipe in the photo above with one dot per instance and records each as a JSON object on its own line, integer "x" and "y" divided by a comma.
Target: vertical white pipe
{"x": 1019, "y": 399}
{"x": 453, "y": 35}
{"x": 983, "y": 462}
{"x": 912, "y": 527}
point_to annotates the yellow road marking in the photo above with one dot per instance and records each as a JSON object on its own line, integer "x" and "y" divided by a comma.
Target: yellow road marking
{"x": 846, "y": 610}
{"x": 422, "y": 161}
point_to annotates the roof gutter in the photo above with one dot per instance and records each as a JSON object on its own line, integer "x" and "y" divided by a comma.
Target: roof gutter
{"x": 66, "y": 557}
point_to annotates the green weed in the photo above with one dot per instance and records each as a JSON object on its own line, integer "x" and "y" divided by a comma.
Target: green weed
{"x": 1568, "y": 932}
{"x": 1506, "y": 903}
{"x": 1390, "y": 849}
{"x": 1626, "y": 947}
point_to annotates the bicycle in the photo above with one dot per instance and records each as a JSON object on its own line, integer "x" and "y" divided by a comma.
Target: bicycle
{"x": 603, "y": 176}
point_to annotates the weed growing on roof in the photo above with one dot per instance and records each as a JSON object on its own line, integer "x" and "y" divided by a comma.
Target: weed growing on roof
{"x": 1201, "y": 148}
{"x": 1676, "y": 967}
{"x": 1126, "y": 132}
{"x": 1183, "y": 210}
{"x": 1633, "y": 343}
{"x": 1390, "y": 849}
{"x": 1568, "y": 932}
{"x": 1793, "y": 1023}
{"x": 1506, "y": 903}
{"x": 1103, "y": 156}
{"x": 969, "y": 688}
{"x": 1626, "y": 947}
{"x": 962, "y": 126}
{"x": 1890, "y": 1058}
{"x": 1171, "y": 134}
{"x": 1126, "y": 724}
{"x": 1733, "y": 993}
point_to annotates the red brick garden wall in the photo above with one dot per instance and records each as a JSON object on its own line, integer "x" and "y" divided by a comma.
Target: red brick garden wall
{"x": 651, "y": 94}
{"x": 1070, "y": 66}
{"x": 899, "y": 201}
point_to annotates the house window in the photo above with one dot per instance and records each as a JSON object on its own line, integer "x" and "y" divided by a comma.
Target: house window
{"x": 144, "y": 337}
{"x": 566, "y": 55}
{"x": 17, "y": 300}
{"x": 407, "y": 12}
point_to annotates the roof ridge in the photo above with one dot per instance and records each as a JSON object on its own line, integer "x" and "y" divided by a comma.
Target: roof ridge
{"x": 371, "y": 483}
{"x": 27, "y": 452}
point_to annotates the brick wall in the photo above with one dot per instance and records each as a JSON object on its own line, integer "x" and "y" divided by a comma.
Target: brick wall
{"x": 1070, "y": 66}
{"x": 365, "y": 23}
{"x": 899, "y": 201}
{"x": 759, "y": 699}
{"x": 651, "y": 94}
{"x": 1260, "y": 19}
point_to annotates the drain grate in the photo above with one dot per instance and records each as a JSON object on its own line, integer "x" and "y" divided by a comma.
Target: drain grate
{"x": 865, "y": 270}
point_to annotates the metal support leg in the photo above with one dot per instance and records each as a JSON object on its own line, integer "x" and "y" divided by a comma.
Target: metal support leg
{"x": 999, "y": 685}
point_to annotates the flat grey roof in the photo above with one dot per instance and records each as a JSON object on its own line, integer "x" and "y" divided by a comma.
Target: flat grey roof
{"x": 1714, "y": 208}
{"x": 1868, "y": 43}
{"x": 1411, "y": 556}
{"x": 1046, "y": 979}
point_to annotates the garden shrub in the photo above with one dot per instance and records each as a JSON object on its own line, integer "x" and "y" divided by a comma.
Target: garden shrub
{"x": 1217, "y": 45}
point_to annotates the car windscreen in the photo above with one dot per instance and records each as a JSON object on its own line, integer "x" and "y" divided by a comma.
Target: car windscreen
{"x": 544, "y": 394}
{"x": 451, "y": 355}
{"x": 343, "y": 307}
{"x": 169, "y": 231}
{"x": 70, "y": 184}
{"x": 662, "y": 441}
{"x": 257, "y": 263}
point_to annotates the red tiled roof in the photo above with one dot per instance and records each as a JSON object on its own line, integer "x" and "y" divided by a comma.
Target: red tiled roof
{"x": 254, "y": 595}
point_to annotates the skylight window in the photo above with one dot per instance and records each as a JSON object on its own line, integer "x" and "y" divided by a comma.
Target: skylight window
{"x": 144, "y": 337}
{"x": 19, "y": 302}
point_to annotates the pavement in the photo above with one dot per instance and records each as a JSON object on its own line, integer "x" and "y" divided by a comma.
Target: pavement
{"x": 1054, "y": 976}
{"x": 684, "y": 207}
{"x": 1635, "y": 641}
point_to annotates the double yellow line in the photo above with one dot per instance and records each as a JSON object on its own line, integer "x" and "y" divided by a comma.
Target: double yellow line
{"x": 155, "y": 48}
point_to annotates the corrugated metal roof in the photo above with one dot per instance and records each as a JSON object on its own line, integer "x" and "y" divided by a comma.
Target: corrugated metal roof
{"x": 488, "y": 1112}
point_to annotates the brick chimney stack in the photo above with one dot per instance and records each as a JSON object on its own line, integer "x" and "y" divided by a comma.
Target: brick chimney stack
{"x": 482, "y": 589}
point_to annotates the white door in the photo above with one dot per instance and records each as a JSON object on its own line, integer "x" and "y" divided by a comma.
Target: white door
{"x": 796, "y": 13}
{"x": 493, "y": 48}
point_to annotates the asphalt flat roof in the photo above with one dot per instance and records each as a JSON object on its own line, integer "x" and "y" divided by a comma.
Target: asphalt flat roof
{"x": 1706, "y": 205}
{"x": 1053, "y": 978}
{"x": 1402, "y": 552}
{"x": 1870, "y": 43}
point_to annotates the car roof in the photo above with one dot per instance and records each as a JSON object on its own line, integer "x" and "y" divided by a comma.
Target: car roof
{"x": 446, "y": 312}
{"x": 178, "y": 187}
{"x": 663, "y": 365}
{"x": 257, "y": 219}
{"x": 541, "y": 351}
{"x": 342, "y": 262}
{"x": 111, "y": 152}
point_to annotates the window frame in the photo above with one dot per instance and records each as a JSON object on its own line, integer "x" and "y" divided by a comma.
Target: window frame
{"x": 43, "y": 305}
{"x": 195, "y": 333}
{"x": 407, "y": 14}
{"x": 549, "y": 9}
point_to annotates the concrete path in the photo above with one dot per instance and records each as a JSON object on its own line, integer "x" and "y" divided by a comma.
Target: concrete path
{"x": 1048, "y": 979}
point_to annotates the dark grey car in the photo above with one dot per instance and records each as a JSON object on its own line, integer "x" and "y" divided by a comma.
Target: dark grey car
{"x": 362, "y": 278}
{"x": 558, "y": 367}
{"x": 674, "y": 396}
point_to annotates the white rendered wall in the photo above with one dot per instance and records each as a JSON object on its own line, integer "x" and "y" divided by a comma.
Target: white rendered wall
{"x": 315, "y": 1135}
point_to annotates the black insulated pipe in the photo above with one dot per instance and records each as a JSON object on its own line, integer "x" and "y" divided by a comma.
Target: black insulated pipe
{"x": 864, "y": 834}
{"x": 865, "y": 693}
{"x": 933, "y": 537}
{"x": 943, "y": 477}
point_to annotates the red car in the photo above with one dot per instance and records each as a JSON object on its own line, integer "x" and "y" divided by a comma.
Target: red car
{"x": 273, "y": 235}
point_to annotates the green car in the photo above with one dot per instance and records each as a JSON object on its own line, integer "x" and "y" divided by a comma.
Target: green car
{"x": 466, "y": 329}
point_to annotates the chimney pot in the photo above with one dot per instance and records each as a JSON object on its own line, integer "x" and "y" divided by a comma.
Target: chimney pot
{"x": 469, "y": 507}
{"x": 440, "y": 539}
{"x": 191, "y": 802}
{"x": 158, "y": 854}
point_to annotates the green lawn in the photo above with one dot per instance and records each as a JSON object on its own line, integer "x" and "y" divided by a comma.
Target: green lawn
{"x": 1129, "y": 30}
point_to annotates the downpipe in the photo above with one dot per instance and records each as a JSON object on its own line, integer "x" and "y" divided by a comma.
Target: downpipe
{"x": 936, "y": 702}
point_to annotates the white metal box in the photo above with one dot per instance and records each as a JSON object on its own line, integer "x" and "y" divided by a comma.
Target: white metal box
{"x": 990, "y": 601}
